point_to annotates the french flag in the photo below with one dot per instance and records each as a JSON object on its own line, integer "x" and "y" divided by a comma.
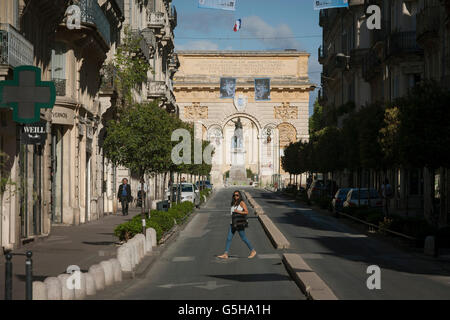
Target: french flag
{"x": 237, "y": 25}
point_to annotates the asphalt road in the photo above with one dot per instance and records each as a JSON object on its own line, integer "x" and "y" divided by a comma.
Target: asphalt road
{"x": 341, "y": 255}
{"x": 189, "y": 269}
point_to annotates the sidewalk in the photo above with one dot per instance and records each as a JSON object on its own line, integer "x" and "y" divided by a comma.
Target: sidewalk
{"x": 82, "y": 245}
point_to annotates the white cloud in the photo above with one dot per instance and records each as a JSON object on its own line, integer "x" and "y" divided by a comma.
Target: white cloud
{"x": 198, "y": 45}
{"x": 280, "y": 37}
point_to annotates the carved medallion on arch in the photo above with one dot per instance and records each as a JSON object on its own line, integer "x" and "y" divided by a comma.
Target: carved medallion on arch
{"x": 287, "y": 134}
{"x": 196, "y": 111}
{"x": 286, "y": 111}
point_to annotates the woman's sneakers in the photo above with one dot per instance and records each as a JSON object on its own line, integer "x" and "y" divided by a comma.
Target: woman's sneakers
{"x": 252, "y": 254}
{"x": 224, "y": 256}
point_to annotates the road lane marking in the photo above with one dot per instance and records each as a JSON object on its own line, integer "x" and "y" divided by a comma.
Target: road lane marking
{"x": 183, "y": 259}
{"x": 212, "y": 285}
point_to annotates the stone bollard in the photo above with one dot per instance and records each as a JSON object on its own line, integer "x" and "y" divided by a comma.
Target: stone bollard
{"x": 81, "y": 292}
{"x": 140, "y": 239}
{"x": 66, "y": 293}
{"x": 53, "y": 287}
{"x": 39, "y": 290}
{"x": 124, "y": 257}
{"x": 429, "y": 247}
{"x": 148, "y": 239}
{"x": 117, "y": 270}
{"x": 137, "y": 257}
{"x": 99, "y": 276}
{"x": 90, "y": 284}
{"x": 133, "y": 250}
{"x": 109, "y": 272}
{"x": 153, "y": 236}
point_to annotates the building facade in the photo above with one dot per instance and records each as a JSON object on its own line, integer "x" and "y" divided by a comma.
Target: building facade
{"x": 67, "y": 180}
{"x": 269, "y": 123}
{"x": 363, "y": 66}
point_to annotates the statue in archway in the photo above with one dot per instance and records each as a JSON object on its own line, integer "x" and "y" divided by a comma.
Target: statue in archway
{"x": 238, "y": 134}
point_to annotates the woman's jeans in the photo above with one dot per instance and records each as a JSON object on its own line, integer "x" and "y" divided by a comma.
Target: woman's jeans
{"x": 241, "y": 234}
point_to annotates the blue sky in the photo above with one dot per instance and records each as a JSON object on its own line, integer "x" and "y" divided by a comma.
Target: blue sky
{"x": 289, "y": 24}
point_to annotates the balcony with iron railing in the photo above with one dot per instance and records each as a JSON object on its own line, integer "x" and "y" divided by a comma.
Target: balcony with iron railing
{"x": 93, "y": 15}
{"x": 15, "y": 50}
{"x": 323, "y": 16}
{"x": 428, "y": 22}
{"x": 174, "y": 62}
{"x": 144, "y": 48}
{"x": 156, "y": 20}
{"x": 173, "y": 17}
{"x": 400, "y": 43}
{"x": 157, "y": 89}
{"x": 323, "y": 54}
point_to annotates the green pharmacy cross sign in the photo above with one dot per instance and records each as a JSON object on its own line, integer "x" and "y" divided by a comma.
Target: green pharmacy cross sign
{"x": 26, "y": 94}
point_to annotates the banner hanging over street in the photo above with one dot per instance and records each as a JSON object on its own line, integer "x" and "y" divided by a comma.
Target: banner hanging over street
{"x": 326, "y": 4}
{"x": 229, "y": 5}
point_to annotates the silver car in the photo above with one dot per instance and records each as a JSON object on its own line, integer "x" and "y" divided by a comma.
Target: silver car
{"x": 363, "y": 195}
{"x": 189, "y": 192}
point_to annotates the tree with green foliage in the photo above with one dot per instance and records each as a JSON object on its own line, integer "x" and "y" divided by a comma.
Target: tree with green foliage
{"x": 140, "y": 140}
{"x": 416, "y": 132}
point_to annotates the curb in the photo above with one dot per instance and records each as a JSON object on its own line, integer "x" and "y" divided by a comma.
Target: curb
{"x": 278, "y": 240}
{"x": 308, "y": 281}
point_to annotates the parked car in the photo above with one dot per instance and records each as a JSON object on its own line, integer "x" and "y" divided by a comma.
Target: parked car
{"x": 206, "y": 184}
{"x": 352, "y": 198}
{"x": 339, "y": 198}
{"x": 316, "y": 189}
{"x": 189, "y": 192}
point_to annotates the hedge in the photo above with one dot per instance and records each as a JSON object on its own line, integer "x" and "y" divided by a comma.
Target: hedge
{"x": 161, "y": 221}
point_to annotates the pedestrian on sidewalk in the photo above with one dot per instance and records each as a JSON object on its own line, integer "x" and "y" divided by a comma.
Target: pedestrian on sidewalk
{"x": 238, "y": 206}
{"x": 124, "y": 194}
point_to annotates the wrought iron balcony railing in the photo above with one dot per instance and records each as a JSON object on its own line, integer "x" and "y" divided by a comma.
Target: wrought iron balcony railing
{"x": 91, "y": 13}
{"x": 174, "y": 63}
{"x": 15, "y": 50}
{"x": 60, "y": 86}
{"x": 322, "y": 53}
{"x": 173, "y": 18}
{"x": 137, "y": 34}
{"x": 156, "y": 89}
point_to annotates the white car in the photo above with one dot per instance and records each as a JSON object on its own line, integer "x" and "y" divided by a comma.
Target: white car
{"x": 189, "y": 192}
{"x": 352, "y": 198}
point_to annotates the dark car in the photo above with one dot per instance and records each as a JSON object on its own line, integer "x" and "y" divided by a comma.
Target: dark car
{"x": 339, "y": 198}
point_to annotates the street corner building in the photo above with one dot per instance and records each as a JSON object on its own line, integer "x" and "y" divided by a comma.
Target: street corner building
{"x": 272, "y": 114}
{"x": 63, "y": 178}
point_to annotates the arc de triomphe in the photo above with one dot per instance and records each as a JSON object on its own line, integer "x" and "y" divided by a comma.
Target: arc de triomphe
{"x": 269, "y": 125}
